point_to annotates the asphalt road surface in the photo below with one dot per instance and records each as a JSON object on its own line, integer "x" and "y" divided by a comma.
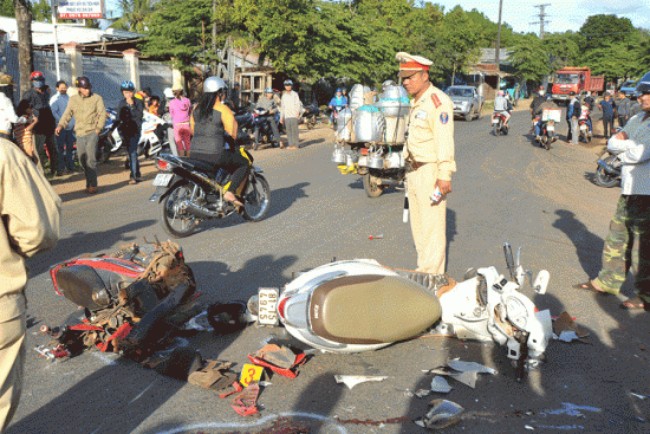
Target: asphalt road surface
{"x": 505, "y": 190}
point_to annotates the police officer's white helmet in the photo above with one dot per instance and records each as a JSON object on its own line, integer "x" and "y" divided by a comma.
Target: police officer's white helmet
{"x": 213, "y": 84}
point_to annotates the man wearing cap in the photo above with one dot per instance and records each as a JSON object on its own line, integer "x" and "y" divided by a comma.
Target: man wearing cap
{"x": 90, "y": 115}
{"x": 290, "y": 110}
{"x": 267, "y": 103}
{"x": 429, "y": 152}
{"x": 608, "y": 107}
{"x": 39, "y": 99}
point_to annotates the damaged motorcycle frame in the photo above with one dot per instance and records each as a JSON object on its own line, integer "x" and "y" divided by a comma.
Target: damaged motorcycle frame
{"x": 132, "y": 299}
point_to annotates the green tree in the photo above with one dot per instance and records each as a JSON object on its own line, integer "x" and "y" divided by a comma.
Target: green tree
{"x": 530, "y": 59}
{"x": 7, "y": 8}
{"x": 562, "y": 48}
{"x": 600, "y": 31}
{"x": 177, "y": 28}
{"x": 134, "y": 15}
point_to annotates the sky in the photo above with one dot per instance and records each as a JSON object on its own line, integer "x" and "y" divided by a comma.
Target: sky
{"x": 562, "y": 15}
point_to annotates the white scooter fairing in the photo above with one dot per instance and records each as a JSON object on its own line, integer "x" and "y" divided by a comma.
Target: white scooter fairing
{"x": 488, "y": 307}
{"x": 353, "y": 306}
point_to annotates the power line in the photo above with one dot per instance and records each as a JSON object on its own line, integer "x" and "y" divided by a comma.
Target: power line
{"x": 542, "y": 21}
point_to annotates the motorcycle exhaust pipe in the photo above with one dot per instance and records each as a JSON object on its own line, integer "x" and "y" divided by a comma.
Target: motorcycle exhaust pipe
{"x": 202, "y": 212}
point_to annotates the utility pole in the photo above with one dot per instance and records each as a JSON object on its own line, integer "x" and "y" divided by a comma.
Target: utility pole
{"x": 497, "y": 53}
{"x": 542, "y": 18}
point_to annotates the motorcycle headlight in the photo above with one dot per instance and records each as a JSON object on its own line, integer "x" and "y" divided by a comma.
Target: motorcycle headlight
{"x": 517, "y": 312}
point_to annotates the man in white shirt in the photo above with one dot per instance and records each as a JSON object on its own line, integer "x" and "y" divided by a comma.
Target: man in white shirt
{"x": 66, "y": 139}
{"x": 290, "y": 111}
{"x": 631, "y": 222}
{"x": 501, "y": 105}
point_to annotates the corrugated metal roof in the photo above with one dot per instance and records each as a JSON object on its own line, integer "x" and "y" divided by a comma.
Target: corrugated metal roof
{"x": 42, "y": 33}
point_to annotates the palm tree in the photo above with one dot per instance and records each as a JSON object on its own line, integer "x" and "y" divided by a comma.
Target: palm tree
{"x": 134, "y": 14}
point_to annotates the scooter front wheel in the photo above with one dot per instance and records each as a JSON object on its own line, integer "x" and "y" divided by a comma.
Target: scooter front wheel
{"x": 604, "y": 179}
{"x": 176, "y": 219}
{"x": 371, "y": 187}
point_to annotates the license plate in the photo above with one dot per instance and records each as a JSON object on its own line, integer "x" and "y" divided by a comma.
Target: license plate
{"x": 267, "y": 304}
{"x": 550, "y": 128}
{"x": 163, "y": 179}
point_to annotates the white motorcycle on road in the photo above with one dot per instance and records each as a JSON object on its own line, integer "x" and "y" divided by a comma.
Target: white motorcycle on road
{"x": 153, "y": 138}
{"x": 360, "y": 305}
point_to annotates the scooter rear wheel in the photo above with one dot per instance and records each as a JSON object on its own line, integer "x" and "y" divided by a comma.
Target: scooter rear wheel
{"x": 176, "y": 221}
{"x": 257, "y": 199}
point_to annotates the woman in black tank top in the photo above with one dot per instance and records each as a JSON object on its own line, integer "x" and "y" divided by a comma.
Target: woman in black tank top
{"x": 210, "y": 136}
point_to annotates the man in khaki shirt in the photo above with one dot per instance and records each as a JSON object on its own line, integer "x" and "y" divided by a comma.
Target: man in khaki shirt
{"x": 430, "y": 156}
{"x": 29, "y": 211}
{"x": 90, "y": 116}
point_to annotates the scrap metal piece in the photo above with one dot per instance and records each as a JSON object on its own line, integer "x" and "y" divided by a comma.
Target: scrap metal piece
{"x": 442, "y": 414}
{"x": 353, "y": 380}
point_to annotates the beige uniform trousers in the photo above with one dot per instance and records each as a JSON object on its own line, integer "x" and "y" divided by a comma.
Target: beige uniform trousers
{"x": 12, "y": 355}
{"x": 428, "y": 221}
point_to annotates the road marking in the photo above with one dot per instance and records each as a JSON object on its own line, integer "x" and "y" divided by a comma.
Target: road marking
{"x": 237, "y": 425}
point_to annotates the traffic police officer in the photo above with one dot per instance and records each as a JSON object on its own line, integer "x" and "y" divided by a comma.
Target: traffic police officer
{"x": 430, "y": 156}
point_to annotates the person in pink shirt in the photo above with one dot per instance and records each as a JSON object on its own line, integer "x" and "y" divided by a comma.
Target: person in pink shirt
{"x": 179, "y": 110}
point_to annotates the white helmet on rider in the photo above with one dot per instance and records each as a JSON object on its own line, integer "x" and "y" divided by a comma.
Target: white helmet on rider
{"x": 213, "y": 84}
{"x": 169, "y": 94}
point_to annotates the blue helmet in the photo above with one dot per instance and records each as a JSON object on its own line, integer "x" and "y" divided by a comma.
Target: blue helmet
{"x": 643, "y": 86}
{"x": 127, "y": 85}
{"x": 338, "y": 89}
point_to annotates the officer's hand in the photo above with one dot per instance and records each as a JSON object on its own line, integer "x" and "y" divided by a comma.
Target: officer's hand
{"x": 443, "y": 186}
{"x": 57, "y": 131}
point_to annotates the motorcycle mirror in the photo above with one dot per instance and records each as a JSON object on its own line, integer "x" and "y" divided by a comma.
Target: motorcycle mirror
{"x": 541, "y": 282}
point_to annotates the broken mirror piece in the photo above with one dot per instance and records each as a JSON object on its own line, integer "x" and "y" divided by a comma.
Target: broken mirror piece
{"x": 442, "y": 414}
{"x": 353, "y": 380}
{"x": 463, "y": 366}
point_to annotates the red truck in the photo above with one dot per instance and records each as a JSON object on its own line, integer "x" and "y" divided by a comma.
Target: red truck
{"x": 576, "y": 79}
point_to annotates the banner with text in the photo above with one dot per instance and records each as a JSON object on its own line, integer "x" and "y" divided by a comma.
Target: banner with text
{"x": 80, "y": 9}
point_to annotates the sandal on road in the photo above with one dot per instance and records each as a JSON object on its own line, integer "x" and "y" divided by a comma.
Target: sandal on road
{"x": 634, "y": 303}
{"x": 588, "y": 286}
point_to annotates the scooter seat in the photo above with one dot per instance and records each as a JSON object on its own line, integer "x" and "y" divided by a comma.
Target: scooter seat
{"x": 371, "y": 309}
{"x": 201, "y": 165}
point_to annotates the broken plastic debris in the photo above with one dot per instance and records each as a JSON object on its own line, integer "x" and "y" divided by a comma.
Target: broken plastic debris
{"x": 440, "y": 385}
{"x": 464, "y": 372}
{"x": 462, "y": 366}
{"x": 529, "y": 428}
{"x": 568, "y": 336}
{"x": 199, "y": 323}
{"x": 640, "y": 396}
{"x": 564, "y": 325}
{"x": 376, "y": 237}
{"x": 421, "y": 393}
{"x": 353, "y": 380}
{"x": 442, "y": 414}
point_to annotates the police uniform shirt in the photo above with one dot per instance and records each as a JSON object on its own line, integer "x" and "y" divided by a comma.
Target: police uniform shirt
{"x": 431, "y": 131}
